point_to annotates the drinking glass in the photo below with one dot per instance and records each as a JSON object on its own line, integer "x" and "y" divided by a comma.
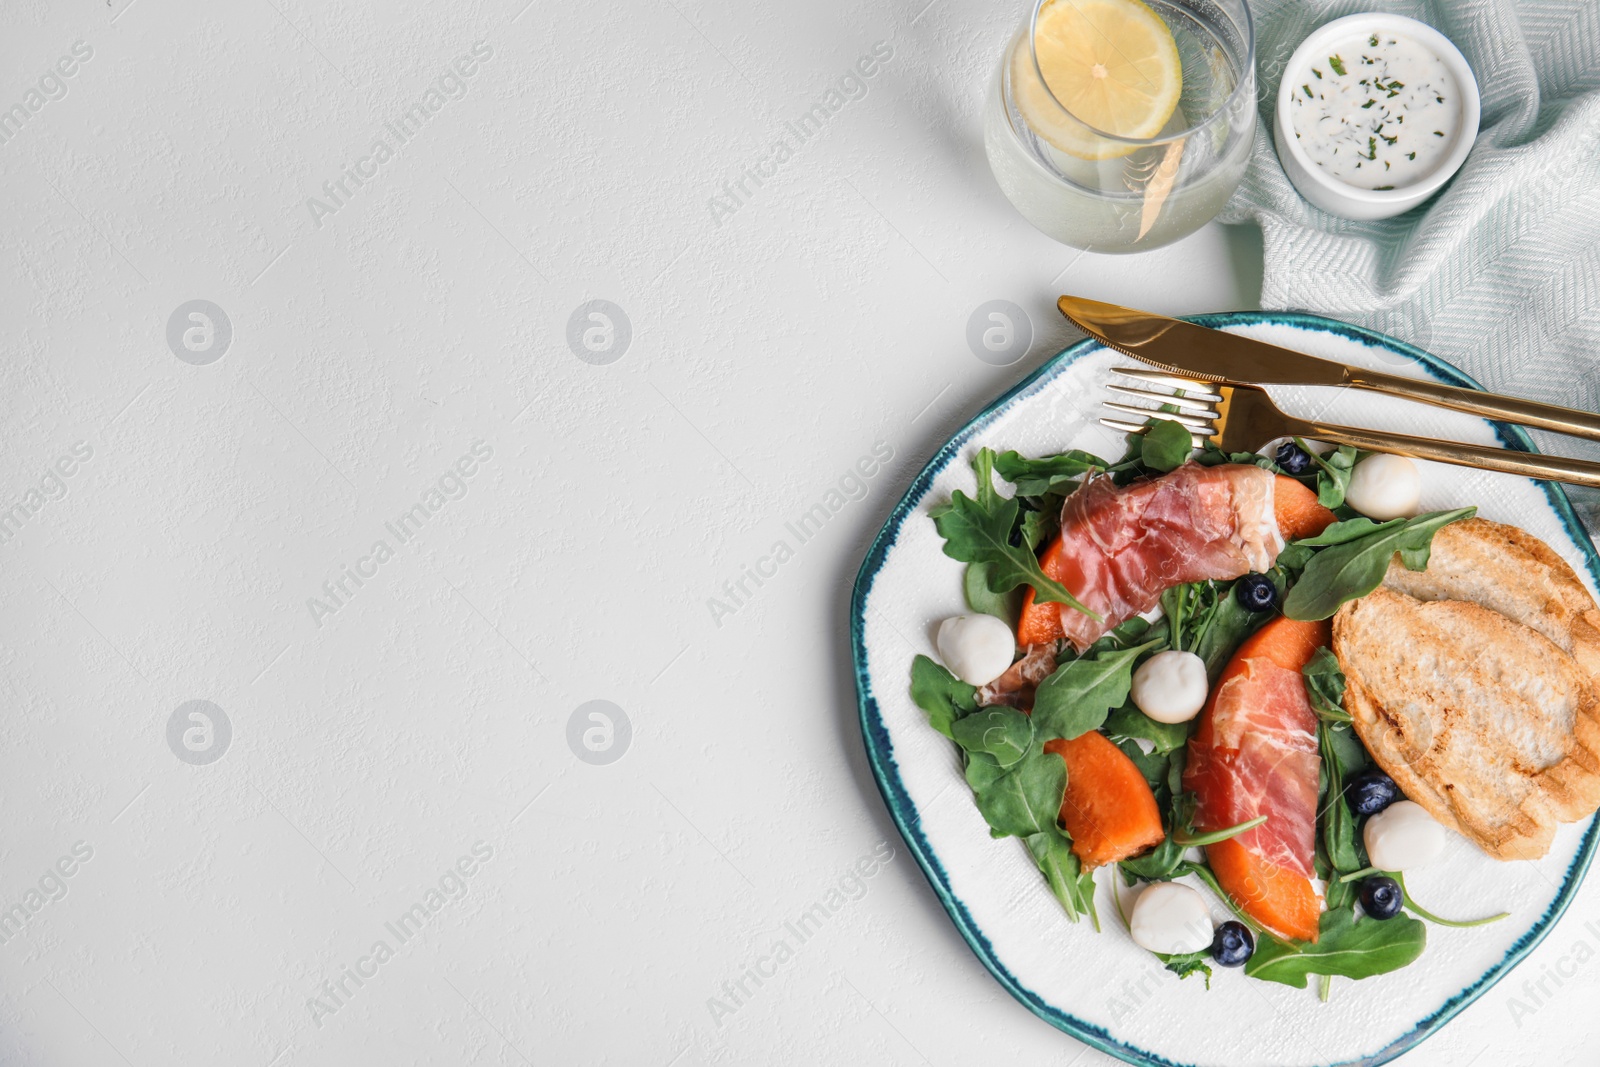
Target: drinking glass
{"x": 1095, "y": 190}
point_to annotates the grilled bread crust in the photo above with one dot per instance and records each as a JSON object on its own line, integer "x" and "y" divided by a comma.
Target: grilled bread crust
{"x": 1476, "y": 686}
{"x": 1509, "y": 570}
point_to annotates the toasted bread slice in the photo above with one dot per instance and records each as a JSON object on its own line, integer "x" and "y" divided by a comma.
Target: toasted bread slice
{"x": 1509, "y": 570}
{"x": 1481, "y": 719}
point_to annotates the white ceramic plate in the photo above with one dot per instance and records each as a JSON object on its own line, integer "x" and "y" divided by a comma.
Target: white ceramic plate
{"x": 1100, "y": 987}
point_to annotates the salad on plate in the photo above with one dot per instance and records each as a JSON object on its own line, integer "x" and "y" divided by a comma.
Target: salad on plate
{"x": 1237, "y": 679}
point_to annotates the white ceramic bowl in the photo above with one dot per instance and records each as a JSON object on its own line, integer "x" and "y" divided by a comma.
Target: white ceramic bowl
{"x": 1328, "y": 192}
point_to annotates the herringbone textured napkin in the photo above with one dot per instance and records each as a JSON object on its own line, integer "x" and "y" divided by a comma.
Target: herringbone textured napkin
{"x": 1499, "y": 273}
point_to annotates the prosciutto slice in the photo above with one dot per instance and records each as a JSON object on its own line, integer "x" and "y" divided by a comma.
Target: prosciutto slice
{"x": 1260, "y": 758}
{"x": 1121, "y": 547}
{"x": 1016, "y": 687}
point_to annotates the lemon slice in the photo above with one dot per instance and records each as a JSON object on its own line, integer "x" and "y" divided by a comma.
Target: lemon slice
{"x": 1107, "y": 64}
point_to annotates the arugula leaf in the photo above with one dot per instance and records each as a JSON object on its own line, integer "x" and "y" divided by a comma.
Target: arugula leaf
{"x": 1325, "y": 686}
{"x": 1003, "y": 733}
{"x": 1340, "y": 841}
{"x": 1186, "y": 963}
{"x": 982, "y": 771}
{"x": 1211, "y": 456}
{"x": 1227, "y": 625}
{"x": 1078, "y": 696}
{"x": 1161, "y": 864}
{"x": 1039, "y": 526}
{"x": 1026, "y": 799}
{"x": 975, "y": 586}
{"x": 1333, "y": 472}
{"x": 1072, "y": 886}
{"x": 1035, "y": 477}
{"x": 973, "y": 534}
{"x": 1166, "y": 861}
{"x": 1187, "y": 608}
{"x": 975, "y": 581}
{"x": 1355, "y": 568}
{"x": 1291, "y": 561}
{"x": 1128, "y": 722}
{"x": 1348, "y": 530}
{"x": 1152, "y": 766}
{"x": 1405, "y": 894}
{"x": 1166, "y": 445}
{"x": 1348, "y": 752}
{"x": 941, "y": 694}
{"x": 1189, "y": 839}
{"x": 1136, "y": 631}
{"x": 1344, "y": 947}
{"x": 988, "y": 496}
{"x": 1208, "y": 620}
{"x": 1415, "y": 557}
{"x": 1340, "y": 894}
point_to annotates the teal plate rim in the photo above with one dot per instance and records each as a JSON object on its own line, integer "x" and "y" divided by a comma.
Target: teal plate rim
{"x": 880, "y": 751}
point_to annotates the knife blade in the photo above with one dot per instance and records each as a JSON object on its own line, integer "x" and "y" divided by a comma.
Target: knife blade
{"x": 1199, "y": 352}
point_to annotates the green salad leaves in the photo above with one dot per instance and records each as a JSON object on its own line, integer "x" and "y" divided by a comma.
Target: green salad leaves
{"x": 1019, "y": 788}
{"x": 941, "y": 694}
{"x": 1333, "y": 473}
{"x": 1354, "y": 567}
{"x": 1079, "y": 695}
{"x": 1002, "y": 734}
{"x": 1343, "y": 947}
{"x": 979, "y": 531}
{"x": 1036, "y": 477}
{"x": 1209, "y": 621}
{"x": 1026, "y": 799}
{"x": 1165, "y": 445}
{"x": 1325, "y": 686}
{"x": 1072, "y": 886}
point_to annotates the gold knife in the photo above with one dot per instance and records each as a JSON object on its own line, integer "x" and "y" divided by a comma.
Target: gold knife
{"x": 1191, "y": 351}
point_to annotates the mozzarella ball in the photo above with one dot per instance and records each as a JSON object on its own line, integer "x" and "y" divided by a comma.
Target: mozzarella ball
{"x": 976, "y": 648}
{"x": 1402, "y": 837}
{"x": 1170, "y": 918}
{"x": 1385, "y": 487}
{"x": 1170, "y": 686}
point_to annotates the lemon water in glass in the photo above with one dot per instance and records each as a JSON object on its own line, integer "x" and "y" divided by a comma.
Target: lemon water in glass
{"x": 1121, "y": 126}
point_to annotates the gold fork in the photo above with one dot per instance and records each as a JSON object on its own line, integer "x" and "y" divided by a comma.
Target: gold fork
{"x": 1241, "y": 418}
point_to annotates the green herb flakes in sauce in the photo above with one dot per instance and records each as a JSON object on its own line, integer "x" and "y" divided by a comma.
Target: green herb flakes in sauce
{"x": 1384, "y": 117}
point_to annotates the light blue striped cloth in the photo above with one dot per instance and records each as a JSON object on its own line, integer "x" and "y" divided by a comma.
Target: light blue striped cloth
{"x": 1500, "y": 272}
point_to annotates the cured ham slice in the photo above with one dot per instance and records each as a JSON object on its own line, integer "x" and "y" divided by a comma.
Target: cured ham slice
{"x": 1016, "y": 687}
{"x": 1260, "y": 758}
{"x": 1254, "y": 753}
{"x": 1122, "y": 546}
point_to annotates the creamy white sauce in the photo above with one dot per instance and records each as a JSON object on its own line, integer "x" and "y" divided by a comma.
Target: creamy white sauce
{"x": 1378, "y": 111}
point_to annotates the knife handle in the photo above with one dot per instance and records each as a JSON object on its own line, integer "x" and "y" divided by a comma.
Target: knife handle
{"x": 1506, "y": 461}
{"x": 1489, "y": 405}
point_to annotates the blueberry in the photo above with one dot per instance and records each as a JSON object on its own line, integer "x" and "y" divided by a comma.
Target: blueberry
{"x": 1370, "y": 792}
{"x": 1256, "y": 592}
{"x": 1232, "y": 944}
{"x": 1292, "y": 458}
{"x": 1381, "y": 897}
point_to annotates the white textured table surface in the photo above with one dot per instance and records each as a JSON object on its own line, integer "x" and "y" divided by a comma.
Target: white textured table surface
{"x": 371, "y": 505}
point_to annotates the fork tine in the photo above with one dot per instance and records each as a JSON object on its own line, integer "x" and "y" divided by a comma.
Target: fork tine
{"x": 1172, "y": 381}
{"x": 1192, "y": 421}
{"x": 1125, "y": 427}
{"x": 1198, "y": 440}
{"x": 1199, "y": 403}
